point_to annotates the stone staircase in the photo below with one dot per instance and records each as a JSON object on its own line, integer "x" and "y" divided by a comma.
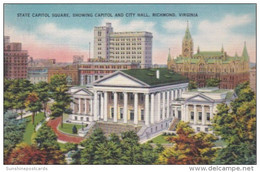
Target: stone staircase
{"x": 173, "y": 125}
{"x": 109, "y": 128}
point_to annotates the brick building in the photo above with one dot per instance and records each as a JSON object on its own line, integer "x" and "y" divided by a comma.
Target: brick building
{"x": 71, "y": 71}
{"x": 230, "y": 70}
{"x": 15, "y": 60}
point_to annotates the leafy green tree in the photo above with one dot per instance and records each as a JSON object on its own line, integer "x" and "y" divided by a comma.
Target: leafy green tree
{"x": 13, "y": 132}
{"x": 15, "y": 93}
{"x": 33, "y": 104}
{"x": 212, "y": 82}
{"x": 59, "y": 91}
{"x": 90, "y": 146}
{"x": 42, "y": 89}
{"x": 189, "y": 147}
{"x": 192, "y": 85}
{"x": 70, "y": 146}
{"x": 236, "y": 124}
{"x": 46, "y": 138}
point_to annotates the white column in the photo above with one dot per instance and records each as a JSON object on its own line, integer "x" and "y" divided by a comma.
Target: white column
{"x": 163, "y": 105}
{"x": 79, "y": 105}
{"x": 168, "y": 105}
{"x": 203, "y": 116}
{"x": 147, "y": 109}
{"x": 105, "y": 106}
{"x": 187, "y": 119}
{"x": 102, "y": 106}
{"x": 135, "y": 108}
{"x": 91, "y": 107}
{"x": 95, "y": 109}
{"x": 211, "y": 112}
{"x": 195, "y": 114}
{"x": 152, "y": 108}
{"x": 183, "y": 112}
{"x": 176, "y": 94}
{"x": 180, "y": 93}
{"x": 85, "y": 106}
{"x": 176, "y": 112}
{"x": 115, "y": 106}
{"x": 172, "y": 95}
{"x": 73, "y": 106}
{"x": 125, "y": 107}
{"x": 158, "y": 106}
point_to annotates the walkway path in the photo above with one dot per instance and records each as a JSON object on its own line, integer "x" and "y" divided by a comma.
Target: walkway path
{"x": 61, "y": 136}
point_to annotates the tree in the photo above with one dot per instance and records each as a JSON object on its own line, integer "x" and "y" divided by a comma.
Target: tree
{"x": 236, "y": 124}
{"x": 15, "y": 94}
{"x": 189, "y": 147}
{"x": 212, "y": 82}
{"x": 33, "y": 104}
{"x": 70, "y": 146}
{"x": 42, "y": 89}
{"x": 13, "y": 132}
{"x": 47, "y": 140}
{"x": 192, "y": 85}
{"x": 27, "y": 155}
{"x": 59, "y": 91}
{"x": 90, "y": 146}
{"x": 74, "y": 129}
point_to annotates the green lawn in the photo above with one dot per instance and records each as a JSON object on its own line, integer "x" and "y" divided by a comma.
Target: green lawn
{"x": 67, "y": 128}
{"x": 160, "y": 139}
{"x": 29, "y": 130}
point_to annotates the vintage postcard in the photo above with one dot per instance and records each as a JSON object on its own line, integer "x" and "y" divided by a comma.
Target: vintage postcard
{"x": 130, "y": 84}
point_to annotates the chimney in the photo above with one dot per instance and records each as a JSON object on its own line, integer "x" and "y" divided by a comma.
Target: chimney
{"x": 157, "y": 74}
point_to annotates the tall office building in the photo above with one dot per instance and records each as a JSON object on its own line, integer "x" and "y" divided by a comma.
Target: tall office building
{"x": 15, "y": 60}
{"x": 123, "y": 46}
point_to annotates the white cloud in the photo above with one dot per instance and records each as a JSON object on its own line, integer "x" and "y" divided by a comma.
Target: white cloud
{"x": 175, "y": 25}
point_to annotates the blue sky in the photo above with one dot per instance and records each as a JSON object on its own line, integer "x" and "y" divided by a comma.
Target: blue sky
{"x": 216, "y": 24}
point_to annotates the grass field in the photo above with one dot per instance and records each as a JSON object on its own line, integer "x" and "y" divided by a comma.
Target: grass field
{"x": 160, "y": 139}
{"x": 29, "y": 130}
{"x": 67, "y": 128}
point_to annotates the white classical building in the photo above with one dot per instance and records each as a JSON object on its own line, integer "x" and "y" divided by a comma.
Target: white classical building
{"x": 140, "y": 97}
{"x": 198, "y": 106}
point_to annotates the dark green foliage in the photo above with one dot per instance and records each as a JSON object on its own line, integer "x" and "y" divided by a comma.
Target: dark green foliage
{"x": 192, "y": 85}
{"x": 237, "y": 127}
{"x": 42, "y": 89}
{"x": 212, "y": 82}
{"x": 70, "y": 146}
{"x": 117, "y": 150}
{"x": 74, "y": 129}
{"x": 13, "y": 130}
{"x": 46, "y": 138}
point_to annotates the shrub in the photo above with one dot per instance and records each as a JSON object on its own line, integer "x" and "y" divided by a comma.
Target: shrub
{"x": 74, "y": 129}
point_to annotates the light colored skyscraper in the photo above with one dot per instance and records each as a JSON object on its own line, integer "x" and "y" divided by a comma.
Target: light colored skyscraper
{"x": 123, "y": 46}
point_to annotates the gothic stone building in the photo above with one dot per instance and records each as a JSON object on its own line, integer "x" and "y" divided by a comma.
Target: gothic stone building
{"x": 230, "y": 70}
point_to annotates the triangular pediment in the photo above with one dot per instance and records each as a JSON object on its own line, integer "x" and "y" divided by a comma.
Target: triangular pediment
{"x": 200, "y": 98}
{"x": 119, "y": 79}
{"x": 83, "y": 92}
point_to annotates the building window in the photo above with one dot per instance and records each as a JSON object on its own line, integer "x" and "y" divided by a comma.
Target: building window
{"x": 76, "y": 118}
{"x": 142, "y": 114}
{"x": 206, "y": 129}
{"x": 87, "y": 119}
{"x": 132, "y": 115}
{"x": 81, "y": 118}
{"x": 121, "y": 113}
{"x": 198, "y": 128}
{"x": 200, "y": 116}
{"x": 208, "y": 116}
{"x": 112, "y": 112}
{"x": 192, "y": 115}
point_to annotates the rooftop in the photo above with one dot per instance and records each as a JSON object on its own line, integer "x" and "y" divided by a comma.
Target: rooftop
{"x": 148, "y": 76}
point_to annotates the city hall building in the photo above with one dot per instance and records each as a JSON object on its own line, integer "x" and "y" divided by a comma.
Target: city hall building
{"x": 140, "y": 97}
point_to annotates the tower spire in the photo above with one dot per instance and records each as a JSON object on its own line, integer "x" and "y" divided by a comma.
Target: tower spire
{"x": 222, "y": 48}
{"x": 245, "y": 54}
{"x": 187, "y": 32}
{"x": 198, "y": 50}
{"x": 169, "y": 55}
